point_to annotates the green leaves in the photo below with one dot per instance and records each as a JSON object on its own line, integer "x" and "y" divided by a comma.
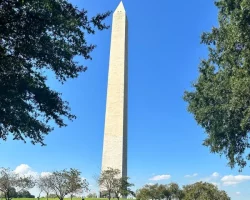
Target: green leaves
{"x": 198, "y": 191}
{"x": 67, "y": 182}
{"x": 37, "y": 36}
{"x": 220, "y": 102}
{"x": 110, "y": 181}
{"x": 204, "y": 190}
{"x": 157, "y": 192}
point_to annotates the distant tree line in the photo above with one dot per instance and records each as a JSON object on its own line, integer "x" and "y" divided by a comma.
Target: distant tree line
{"x": 112, "y": 185}
{"x": 172, "y": 191}
{"x": 58, "y": 183}
{"x": 92, "y": 195}
{"x": 18, "y": 194}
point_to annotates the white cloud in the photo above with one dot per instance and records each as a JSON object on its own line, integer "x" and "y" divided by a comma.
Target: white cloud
{"x": 25, "y": 170}
{"x": 237, "y": 193}
{"x": 190, "y": 176}
{"x": 212, "y": 178}
{"x": 44, "y": 174}
{"x": 160, "y": 177}
{"x": 234, "y": 180}
{"x": 22, "y": 169}
{"x": 215, "y": 174}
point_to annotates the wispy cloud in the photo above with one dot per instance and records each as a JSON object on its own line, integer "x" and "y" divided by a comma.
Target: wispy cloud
{"x": 190, "y": 176}
{"x": 234, "y": 180}
{"x": 215, "y": 174}
{"x": 237, "y": 193}
{"x": 160, "y": 177}
{"x": 212, "y": 178}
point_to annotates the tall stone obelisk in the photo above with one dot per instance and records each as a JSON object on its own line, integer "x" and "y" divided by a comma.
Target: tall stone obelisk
{"x": 115, "y": 133}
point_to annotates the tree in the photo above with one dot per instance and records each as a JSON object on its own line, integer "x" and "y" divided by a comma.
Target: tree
{"x": 67, "y": 182}
{"x": 122, "y": 187}
{"x": 200, "y": 191}
{"x": 52, "y": 196}
{"x": 24, "y": 194}
{"x": 107, "y": 180}
{"x": 13, "y": 193}
{"x": 164, "y": 192}
{"x": 174, "y": 191}
{"x": 220, "y": 99}
{"x": 158, "y": 192}
{"x": 92, "y": 195}
{"x": 44, "y": 184}
{"x": 77, "y": 185}
{"x": 142, "y": 194}
{"x": 37, "y": 37}
{"x": 153, "y": 191}
{"x": 10, "y": 180}
{"x": 111, "y": 182}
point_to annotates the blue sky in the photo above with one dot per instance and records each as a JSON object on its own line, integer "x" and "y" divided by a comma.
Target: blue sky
{"x": 165, "y": 142}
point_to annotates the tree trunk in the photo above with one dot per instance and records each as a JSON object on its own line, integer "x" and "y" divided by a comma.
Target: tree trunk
{"x": 7, "y": 196}
{"x": 109, "y": 195}
{"x": 71, "y": 196}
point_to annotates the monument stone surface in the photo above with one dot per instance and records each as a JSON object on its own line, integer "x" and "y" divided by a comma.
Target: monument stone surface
{"x": 115, "y": 133}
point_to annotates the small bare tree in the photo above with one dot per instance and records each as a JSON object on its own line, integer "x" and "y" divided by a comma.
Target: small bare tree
{"x": 44, "y": 184}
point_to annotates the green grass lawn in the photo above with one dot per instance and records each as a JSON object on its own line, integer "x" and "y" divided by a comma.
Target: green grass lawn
{"x": 57, "y": 199}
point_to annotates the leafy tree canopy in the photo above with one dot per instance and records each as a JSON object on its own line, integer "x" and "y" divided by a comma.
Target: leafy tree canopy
{"x": 92, "y": 195}
{"x": 24, "y": 194}
{"x": 122, "y": 187}
{"x": 200, "y": 191}
{"x": 67, "y": 182}
{"x": 157, "y": 192}
{"x": 112, "y": 182}
{"x": 36, "y": 36}
{"x": 108, "y": 180}
{"x": 220, "y": 100}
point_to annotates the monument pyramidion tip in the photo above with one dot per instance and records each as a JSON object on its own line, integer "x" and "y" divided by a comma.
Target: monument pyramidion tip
{"x": 120, "y": 8}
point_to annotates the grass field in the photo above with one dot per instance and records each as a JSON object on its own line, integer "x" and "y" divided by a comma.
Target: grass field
{"x": 57, "y": 199}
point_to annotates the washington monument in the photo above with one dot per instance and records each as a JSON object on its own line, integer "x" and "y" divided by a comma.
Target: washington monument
{"x": 115, "y": 133}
